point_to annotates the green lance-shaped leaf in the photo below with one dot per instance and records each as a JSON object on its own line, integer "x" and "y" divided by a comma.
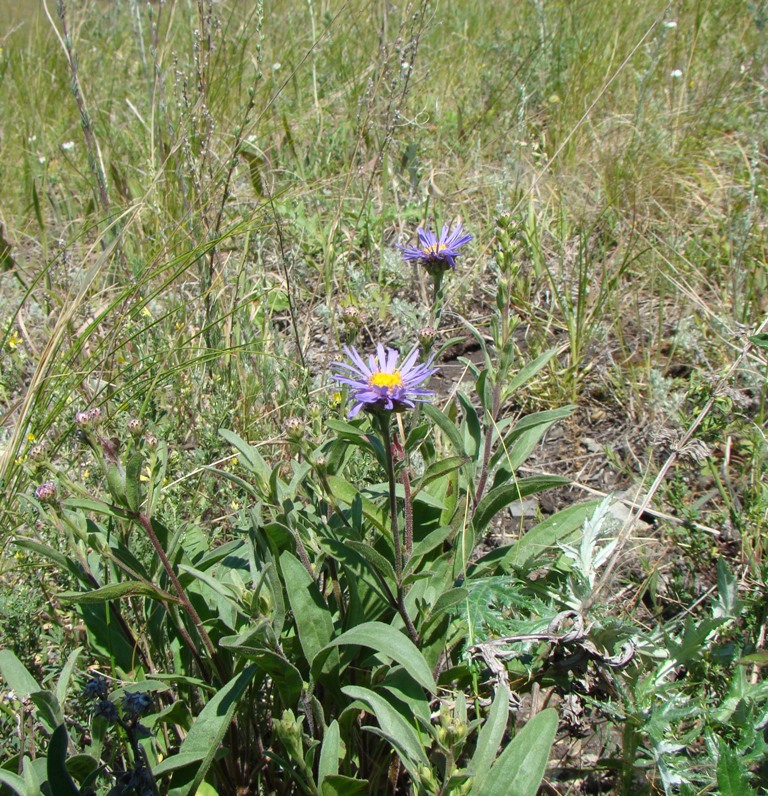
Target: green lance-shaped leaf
{"x": 116, "y": 483}
{"x": 35, "y": 774}
{"x": 500, "y": 497}
{"x": 528, "y": 372}
{"x": 518, "y": 444}
{"x": 339, "y": 785}
{"x": 760, "y": 340}
{"x": 97, "y": 507}
{"x": 14, "y": 782}
{"x": 473, "y": 432}
{"x": 429, "y": 543}
{"x": 284, "y": 674}
{"x": 114, "y": 591}
{"x": 393, "y": 726}
{"x": 133, "y": 481}
{"x": 330, "y": 752}
{"x": 519, "y": 769}
{"x": 344, "y": 492}
{"x": 375, "y": 560}
{"x": 541, "y": 537}
{"x": 490, "y": 737}
{"x": 59, "y": 781}
{"x": 198, "y": 749}
{"x": 16, "y": 675}
{"x": 438, "y": 470}
{"x": 311, "y": 614}
{"x": 49, "y": 710}
{"x": 252, "y": 459}
{"x": 390, "y": 642}
{"x": 447, "y": 426}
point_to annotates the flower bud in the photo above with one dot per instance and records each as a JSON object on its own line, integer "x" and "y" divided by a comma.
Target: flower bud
{"x": 427, "y": 336}
{"x": 428, "y": 779}
{"x": 95, "y": 416}
{"x": 288, "y": 729}
{"x": 457, "y": 731}
{"x": 295, "y": 428}
{"x": 83, "y": 419}
{"x": 46, "y": 492}
{"x": 151, "y": 441}
{"x": 350, "y": 317}
{"x": 36, "y": 452}
{"x": 135, "y": 427}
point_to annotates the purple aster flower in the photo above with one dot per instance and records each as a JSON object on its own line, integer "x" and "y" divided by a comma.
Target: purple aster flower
{"x": 382, "y": 385}
{"x": 432, "y": 252}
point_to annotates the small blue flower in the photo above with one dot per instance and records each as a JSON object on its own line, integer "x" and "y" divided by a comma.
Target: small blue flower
{"x": 137, "y": 703}
{"x": 433, "y": 252}
{"x": 96, "y": 688}
{"x": 107, "y": 710}
{"x": 382, "y": 385}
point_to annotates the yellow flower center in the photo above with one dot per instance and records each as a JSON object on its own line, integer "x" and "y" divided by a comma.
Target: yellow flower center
{"x": 435, "y": 249}
{"x": 388, "y": 380}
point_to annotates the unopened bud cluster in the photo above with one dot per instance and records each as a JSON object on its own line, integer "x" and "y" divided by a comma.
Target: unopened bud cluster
{"x": 288, "y": 729}
{"x": 451, "y": 731}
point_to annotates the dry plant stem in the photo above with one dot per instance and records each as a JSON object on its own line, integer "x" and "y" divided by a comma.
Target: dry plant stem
{"x": 188, "y": 607}
{"x": 386, "y": 436}
{"x": 288, "y": 283}
{"x": 662, "y": 474}
{"x": 632, "y": 504}
{"x": 396, "y": 101}
{"x": 215, "y": 231}
{"x": 94, "y": 153}
{"x": 547, "y": 167}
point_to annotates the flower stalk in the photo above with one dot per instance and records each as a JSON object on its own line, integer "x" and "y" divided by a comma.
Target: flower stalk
{"x": 386, "y": 438}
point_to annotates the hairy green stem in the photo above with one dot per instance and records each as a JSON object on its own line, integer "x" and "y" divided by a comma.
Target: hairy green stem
{"x": 386, "y": 437}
